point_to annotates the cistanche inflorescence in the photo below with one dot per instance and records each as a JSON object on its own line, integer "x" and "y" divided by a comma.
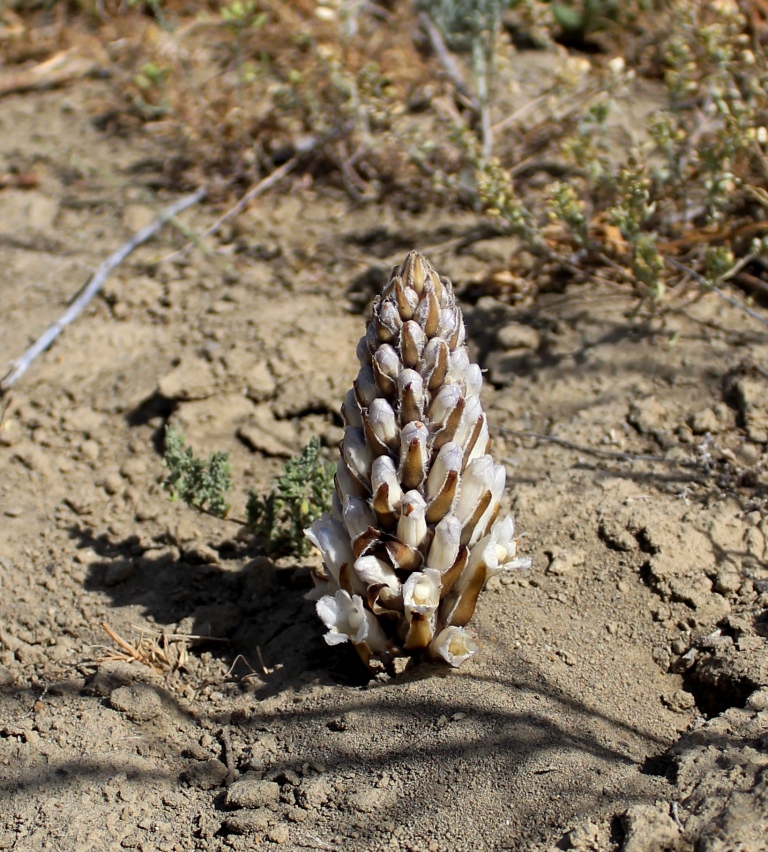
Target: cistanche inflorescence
{"x": 414, "y": 531}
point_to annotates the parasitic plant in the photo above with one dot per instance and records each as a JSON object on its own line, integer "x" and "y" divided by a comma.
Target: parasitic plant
{"x": 414, "y": 531}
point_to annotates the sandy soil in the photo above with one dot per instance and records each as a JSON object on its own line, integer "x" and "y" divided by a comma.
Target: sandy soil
{"x": 621, "y": 697}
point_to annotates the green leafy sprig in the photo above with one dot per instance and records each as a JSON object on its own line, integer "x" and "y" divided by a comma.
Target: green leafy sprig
{"x": 200, "y": 484}
{"x": 302, "y": 493}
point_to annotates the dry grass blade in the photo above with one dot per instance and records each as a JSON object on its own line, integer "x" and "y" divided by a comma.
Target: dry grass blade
{"x": 163, "y": 653}
{"x": 59, "y": 69}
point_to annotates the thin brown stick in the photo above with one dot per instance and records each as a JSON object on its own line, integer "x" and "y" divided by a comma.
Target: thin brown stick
{"x": 61, "y": 68}
{"x": 753, "y": 283}
{"x": 709, "y": 286}
{"x": 254, "y": 192}
{"x": 118, "y": 640}
{"x": 594, "y": 451}
{"x": 519, "y": 113}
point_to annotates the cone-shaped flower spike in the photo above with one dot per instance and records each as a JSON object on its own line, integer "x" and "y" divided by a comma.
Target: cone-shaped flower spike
{"x": 415, "y": 531}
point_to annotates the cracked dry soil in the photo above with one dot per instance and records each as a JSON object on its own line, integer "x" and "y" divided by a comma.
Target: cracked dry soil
{"x": 620, "y": 701}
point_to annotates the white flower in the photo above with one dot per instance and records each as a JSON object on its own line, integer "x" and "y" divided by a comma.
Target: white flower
{"x": 375, "y": 572}
{"x": 332, "y": 539}
{"x": 347, "y": 619}
{"x": 421, "y": 593}
{"x": 454, "y": 644}
{"x": 505, "y": 545}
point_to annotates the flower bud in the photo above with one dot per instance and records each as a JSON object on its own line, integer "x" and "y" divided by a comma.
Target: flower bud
{"x": 332, "y": 540}
{"x": 444, "y": 402}
{"x": 410, "y": 389}
{"x": 388, "y": 322}
{"x": 350, "y": 410}
{"x": 406, "y": 298}
{"x": 365, "y": 387}
{"x": 383, "y": 424}
{"x": 358, "y": 516}
{"x": 435, "y": 363}
{"x": 458, "y": 365}
{"x": 473, "y": 380}
{"x": 412, "y": 342}
{"x": 428, "y": 311}
{"x": 412, "y": 526}
{"x": 414, "y": 272}
{"x": 363, "y": 352}
{"x": 414, "y": 453}
{"x": 357, "y": 454}
{"x": 445, "y": 544}
{"x": 386, "y": 368}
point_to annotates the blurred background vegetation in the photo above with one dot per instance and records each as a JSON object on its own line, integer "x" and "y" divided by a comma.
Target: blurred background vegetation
{"x": 420, "y": 103}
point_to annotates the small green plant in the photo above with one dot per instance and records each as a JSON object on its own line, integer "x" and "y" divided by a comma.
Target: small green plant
{"x": 200, "y": 484}
{"x": 302, "y": 493}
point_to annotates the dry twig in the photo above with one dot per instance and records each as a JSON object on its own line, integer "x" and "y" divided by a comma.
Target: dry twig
{"x": 96, "y": 283}
{"x": 61, "y": 68}
{"x": 162, "y": 653}
{"x": 595, "y": 451}
{"x": 254, "y": 192}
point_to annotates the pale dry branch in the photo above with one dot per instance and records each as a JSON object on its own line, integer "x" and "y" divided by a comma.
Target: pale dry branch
{"x": 96, "y": 283}
{"x": 63, "y": 67}
{"x": 254, "y": 192}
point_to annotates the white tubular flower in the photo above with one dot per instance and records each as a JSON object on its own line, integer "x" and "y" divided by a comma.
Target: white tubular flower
{"x": 455, "y": 645}
{"x": 421, "y": 593}
{"x": 347, "y": 619}
{"x": 357, "y": 454}
{"x": 383, "y": 422}
{"x": 332, "y": 540}
{"x": 473, "y": 380}
{"x": 384, "y": 472}
{"x": 503, "y": 534}
{"x": 458, "y": 365}
{"x": 376, "y": 572}
{"x": 346, "y": 482}
{"x": 445, "y": 545}
{"x": 476, "y": 481}
{"x": 358, "y": 516}
{"x": 473, "y": 411}
{"x": 490, "y": 514}
{"x": 444, "y": 402}
{"x": 365, "y": 386}
{"x": 448, "y": 460}
{"x": 412, "y": 526}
